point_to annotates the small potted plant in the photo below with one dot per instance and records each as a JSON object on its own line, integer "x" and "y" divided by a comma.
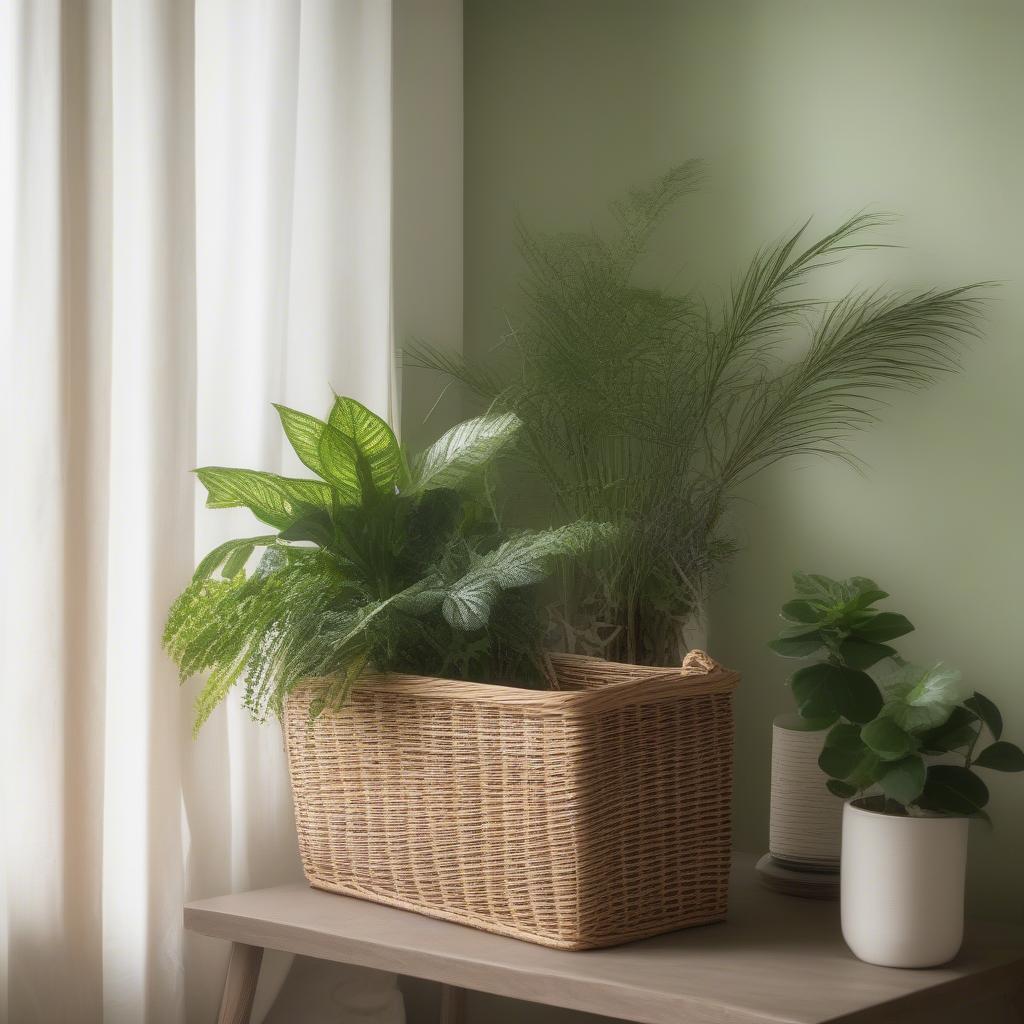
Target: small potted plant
{"x": 835, "y": 622}
{"x": 903, "y": 750}
{"x": 911, "y": 774}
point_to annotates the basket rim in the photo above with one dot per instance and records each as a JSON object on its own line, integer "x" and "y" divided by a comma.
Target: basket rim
{"x": 648, "y": 683}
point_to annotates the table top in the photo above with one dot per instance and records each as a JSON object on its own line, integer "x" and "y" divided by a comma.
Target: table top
{"x": 776, "y": 960}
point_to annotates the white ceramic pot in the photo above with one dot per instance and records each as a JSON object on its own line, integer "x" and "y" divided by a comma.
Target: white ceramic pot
{"x": 805, "y": 828}
{"x": 902, "y": 887}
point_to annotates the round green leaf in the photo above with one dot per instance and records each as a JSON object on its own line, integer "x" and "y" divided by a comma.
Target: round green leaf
{"x": 920, "y": 699}
{"x": 888, "y": 740}
{"x": 903, "y": 780}
{"x": 798, "y": 646}
{"x": 857, "y": 695}
{"x": 884, "y": 626}
{"x": 866, "y": 598}
{"x": 862, "y": 654}
{"x": 959, "y": 730}
{"x": 802, "y": 611}
{"x": 987, "y": 712}
{"x": 845, "y": 756}
{"x": 953, "y": 789}
{"x": 813, "y": 688}
{"x": 825, "y": 689}
{"x": 1001, "y": 757}
{"x": 843, "y": 790}
{"x": 817, "y": 587}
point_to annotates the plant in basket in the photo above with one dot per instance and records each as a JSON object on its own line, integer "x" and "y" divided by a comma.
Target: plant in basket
{"x": 381, "y": 561}
{"x": 380, "y": 609}
{"x": 904, "y": 745}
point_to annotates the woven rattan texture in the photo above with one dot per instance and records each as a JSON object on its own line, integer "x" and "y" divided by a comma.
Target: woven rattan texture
{"x": 578, "y": 818}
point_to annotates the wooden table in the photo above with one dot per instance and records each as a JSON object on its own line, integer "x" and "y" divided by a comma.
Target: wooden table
{"x": 777, "y": 959}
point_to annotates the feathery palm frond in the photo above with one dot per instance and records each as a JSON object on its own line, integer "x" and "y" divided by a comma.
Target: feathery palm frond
{"x": 646, "y": 409}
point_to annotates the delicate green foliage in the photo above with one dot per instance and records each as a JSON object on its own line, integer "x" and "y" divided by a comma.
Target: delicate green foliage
{"x": 885, "y": 727}
{"x": 226, "y": 553}
{"x": 647, "y": 409}
{"x": 367, "y": 569}
{"x": 518, "y": 562}
{"x": 275, "y": 627}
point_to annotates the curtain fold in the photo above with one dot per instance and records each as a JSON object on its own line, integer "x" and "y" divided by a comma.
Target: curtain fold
{"x": 194, "y": 222}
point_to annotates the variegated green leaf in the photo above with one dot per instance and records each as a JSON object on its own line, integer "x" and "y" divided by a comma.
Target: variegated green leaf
{"x": 275, "y": 500}
{"x": 463, "y": 450}
{"x": 373, "y": 439}
{"x": 338, "y": 461}
{"x": 304, "y": 433}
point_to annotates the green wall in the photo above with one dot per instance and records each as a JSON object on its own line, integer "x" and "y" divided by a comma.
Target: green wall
{"x": 802, "y": 108}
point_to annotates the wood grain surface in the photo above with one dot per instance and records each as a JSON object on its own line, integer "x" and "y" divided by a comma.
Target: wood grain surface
{"x": 776, "y": 960}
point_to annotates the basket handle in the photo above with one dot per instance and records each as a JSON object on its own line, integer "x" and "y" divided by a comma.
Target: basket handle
{"x": 698, "y": 663}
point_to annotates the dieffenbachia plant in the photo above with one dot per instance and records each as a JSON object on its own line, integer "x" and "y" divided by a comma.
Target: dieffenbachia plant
{"x": 382, "y": 561}
{"x": 908, "y": 735}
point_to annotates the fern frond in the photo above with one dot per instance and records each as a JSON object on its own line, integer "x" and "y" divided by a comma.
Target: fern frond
{"x": 865, "y": 344}
{"x": 518, "y": 562}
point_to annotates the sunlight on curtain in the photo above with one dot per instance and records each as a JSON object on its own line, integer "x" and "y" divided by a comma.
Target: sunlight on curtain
{"x": 194, "y": 222}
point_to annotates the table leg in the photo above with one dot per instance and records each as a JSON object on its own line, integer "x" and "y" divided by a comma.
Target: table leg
{"x": 240, "y": 984}
{"x": 453, "y": 1005}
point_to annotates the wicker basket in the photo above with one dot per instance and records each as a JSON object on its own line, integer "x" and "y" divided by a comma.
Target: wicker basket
{"x": 584, "y": 817}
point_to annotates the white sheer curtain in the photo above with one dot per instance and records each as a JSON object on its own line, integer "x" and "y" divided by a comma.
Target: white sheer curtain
{"x": 194, "y": 222}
